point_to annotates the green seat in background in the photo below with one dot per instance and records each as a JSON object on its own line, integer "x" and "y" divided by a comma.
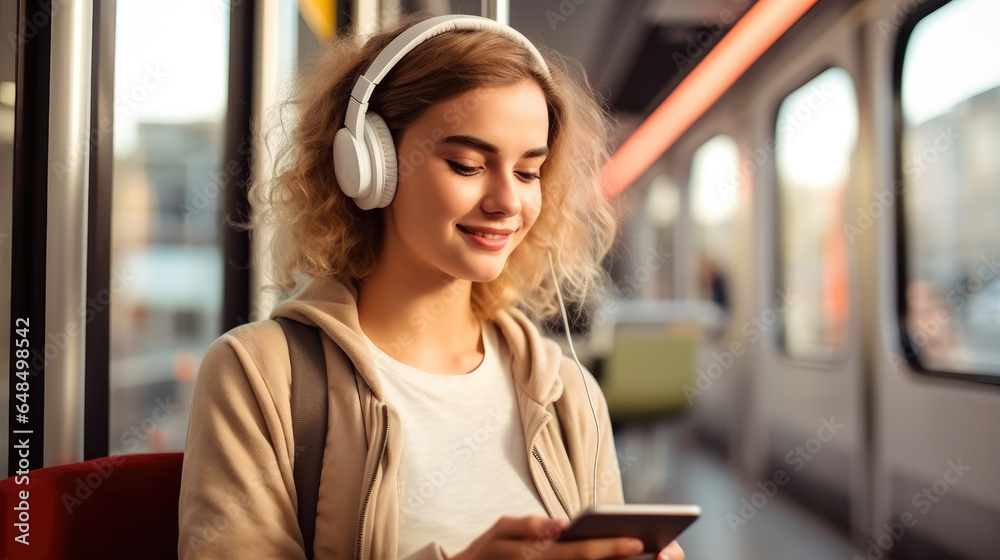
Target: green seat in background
{"x": 647, "y": 368}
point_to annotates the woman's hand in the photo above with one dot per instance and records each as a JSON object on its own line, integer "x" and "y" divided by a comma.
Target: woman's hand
{"x": 532, "y": 537}
{"x": 672, "y": 552}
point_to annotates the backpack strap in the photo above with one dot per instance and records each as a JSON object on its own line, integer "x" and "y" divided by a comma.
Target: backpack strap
{"x": 309, "y": 419}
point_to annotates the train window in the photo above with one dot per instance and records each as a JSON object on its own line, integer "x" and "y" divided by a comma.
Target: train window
{"x": 949, "y": 174}
{"x": 166, "y": 283}
{"x": 713, "y": 184}
{"x": 816, "y": 133}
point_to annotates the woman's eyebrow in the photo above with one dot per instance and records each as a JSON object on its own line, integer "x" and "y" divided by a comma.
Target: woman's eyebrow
{"x": 483, "y": 145}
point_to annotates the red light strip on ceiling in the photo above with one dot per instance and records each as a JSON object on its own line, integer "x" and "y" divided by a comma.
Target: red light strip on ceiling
{"x": 744, "y": 44}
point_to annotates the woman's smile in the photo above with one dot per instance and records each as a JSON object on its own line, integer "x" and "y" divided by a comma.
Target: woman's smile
{"x": 488, "y": 241}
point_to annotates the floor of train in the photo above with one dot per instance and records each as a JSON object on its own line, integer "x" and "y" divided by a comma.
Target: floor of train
{"x": 661, "y": 463}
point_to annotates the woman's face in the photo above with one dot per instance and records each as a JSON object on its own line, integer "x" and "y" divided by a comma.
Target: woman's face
{"x": 469, "y": 165}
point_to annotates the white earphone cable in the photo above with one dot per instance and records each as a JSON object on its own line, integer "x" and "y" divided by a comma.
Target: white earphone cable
{"x": 583, "y": 376}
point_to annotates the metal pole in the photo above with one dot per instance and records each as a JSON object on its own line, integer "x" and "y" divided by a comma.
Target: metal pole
{"x": 237, "y": 158}
{"x": 97, "y": 396}
{"x": 66, "y": 251}
{"x": 498, "y": 10}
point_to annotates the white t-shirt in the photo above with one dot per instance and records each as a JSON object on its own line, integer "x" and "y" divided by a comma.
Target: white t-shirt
{"x": 464, "y": 463}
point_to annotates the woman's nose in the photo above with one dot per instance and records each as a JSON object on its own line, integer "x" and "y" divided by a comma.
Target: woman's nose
{"x": 502, "y": 194}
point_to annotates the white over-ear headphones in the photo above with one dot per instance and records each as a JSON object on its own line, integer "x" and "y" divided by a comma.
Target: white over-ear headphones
{"x": 364, "y": 158}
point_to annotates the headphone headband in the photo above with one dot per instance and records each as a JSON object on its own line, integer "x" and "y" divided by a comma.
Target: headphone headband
{"x": 364, "y": 157}
{"x": 406, "y": 42}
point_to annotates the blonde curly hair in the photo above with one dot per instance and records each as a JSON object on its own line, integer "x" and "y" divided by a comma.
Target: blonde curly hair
{"x": 317, "y": 231}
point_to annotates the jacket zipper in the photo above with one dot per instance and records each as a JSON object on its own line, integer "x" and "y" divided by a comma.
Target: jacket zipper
{"x": 371, "y": 487}
{"x": 534, "y": 451}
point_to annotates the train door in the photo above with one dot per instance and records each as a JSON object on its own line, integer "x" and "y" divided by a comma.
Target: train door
{"x": 936, "y": 79}
{"x": 806, "y": 417}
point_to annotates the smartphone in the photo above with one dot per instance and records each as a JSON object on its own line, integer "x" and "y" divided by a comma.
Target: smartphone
{"x": 655, "y": 525}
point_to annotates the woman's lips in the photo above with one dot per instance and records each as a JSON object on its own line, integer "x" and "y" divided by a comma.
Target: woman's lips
{"x": 485, "y": 242}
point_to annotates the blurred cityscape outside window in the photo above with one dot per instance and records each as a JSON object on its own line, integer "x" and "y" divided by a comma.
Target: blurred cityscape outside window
{"x": 815, "y": 139}
{"x": 950, "y": 183}
{"x": 171, "y": 75}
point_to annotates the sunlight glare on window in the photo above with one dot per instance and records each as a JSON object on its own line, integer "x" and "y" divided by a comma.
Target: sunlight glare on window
{"x": 938, "y": 71}
{"x": 814, "y": 117}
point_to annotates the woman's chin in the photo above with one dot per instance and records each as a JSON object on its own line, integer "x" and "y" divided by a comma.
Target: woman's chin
{"x": 483, "y": 273}
{"x": 485, "y": 278}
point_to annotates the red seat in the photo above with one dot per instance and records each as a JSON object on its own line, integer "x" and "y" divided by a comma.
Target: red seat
{"x": 123, "y": 506}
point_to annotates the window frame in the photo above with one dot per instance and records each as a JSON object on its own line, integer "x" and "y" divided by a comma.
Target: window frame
{"x": 902, "y": 261}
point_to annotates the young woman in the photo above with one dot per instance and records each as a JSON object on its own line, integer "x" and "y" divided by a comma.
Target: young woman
{"x": 463, "y": 433}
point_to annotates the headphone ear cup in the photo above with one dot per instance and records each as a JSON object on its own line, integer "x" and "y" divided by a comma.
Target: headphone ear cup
{"x": 351, "y": 165}
{"x": 378, "y": 137}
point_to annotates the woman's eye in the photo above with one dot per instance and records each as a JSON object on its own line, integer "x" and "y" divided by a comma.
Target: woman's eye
{"x": 468, "y": 171}
{"x": 462, "y": 169}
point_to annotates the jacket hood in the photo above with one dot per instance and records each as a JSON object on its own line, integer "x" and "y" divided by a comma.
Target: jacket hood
{"x": 333, "y": 307}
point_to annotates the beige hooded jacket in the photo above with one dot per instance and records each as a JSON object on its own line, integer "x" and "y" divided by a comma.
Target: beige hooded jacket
{"x": 238, "y": 498}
